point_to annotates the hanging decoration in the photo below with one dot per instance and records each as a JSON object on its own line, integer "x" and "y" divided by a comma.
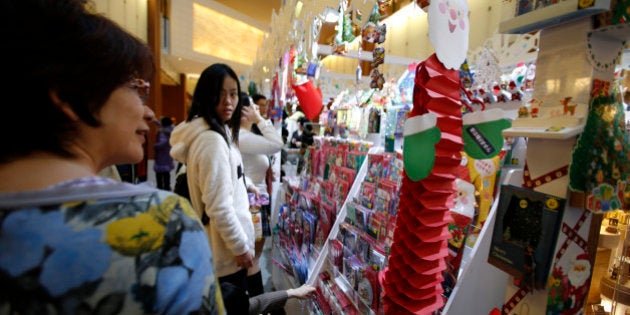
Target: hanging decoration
{"x": 310, "y": 98}
{"x": 412, "y": 283}
{"x": 372, "y": 34}
{"x": 448, "y": 31}
{"x": 482, "y": 133}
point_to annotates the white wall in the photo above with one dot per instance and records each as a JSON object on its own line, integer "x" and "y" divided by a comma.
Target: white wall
{"x": 130, "y": 14}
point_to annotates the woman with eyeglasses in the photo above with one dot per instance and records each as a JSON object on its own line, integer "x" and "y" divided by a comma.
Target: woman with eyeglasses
{"x": 207, "y": 143}
{"x": 72, "y": 242}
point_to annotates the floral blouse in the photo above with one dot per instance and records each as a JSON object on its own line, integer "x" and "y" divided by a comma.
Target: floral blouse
{"x": 95, "y": 246}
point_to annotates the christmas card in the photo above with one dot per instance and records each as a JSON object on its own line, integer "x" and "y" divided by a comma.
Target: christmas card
{"x": 525, "y": 233}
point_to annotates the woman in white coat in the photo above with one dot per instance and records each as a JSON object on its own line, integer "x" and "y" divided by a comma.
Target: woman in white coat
{"x": 207, "y": 142}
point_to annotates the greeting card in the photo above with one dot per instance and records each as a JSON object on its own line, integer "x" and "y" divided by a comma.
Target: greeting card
{"x": 525, "y": 233}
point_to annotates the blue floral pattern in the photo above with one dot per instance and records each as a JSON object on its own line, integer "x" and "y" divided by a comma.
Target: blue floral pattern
{"x": 145, "y": 253}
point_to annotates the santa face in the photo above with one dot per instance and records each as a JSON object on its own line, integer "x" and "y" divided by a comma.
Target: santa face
{"x": 465, "y": 199}
{"x": 579, "y": 272}
{"x": 453, "y": 15}
{"x": 448, "y": 31}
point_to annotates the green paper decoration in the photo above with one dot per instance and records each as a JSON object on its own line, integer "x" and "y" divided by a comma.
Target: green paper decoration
{"x": 601, "y": 154}
{"x": 484, "y": 140}
{"x": 419, "y": 145}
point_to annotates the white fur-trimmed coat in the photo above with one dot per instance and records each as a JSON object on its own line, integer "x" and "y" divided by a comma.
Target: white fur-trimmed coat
{"x": 217, "y": 187}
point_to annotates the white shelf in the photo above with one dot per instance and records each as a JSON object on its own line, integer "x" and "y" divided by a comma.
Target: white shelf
{"x": 551, "y": 15}
{"x": 543, "y": 133}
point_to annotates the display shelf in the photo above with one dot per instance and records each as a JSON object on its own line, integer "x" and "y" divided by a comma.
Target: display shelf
{"x": 316, "y": 267}
{"x": 551, "y": 15}
{"x": 476, "y": 270}
{"x": 543, "y": 132}
{"x": 607, "y": 239}
{"x": 346, "y": 287}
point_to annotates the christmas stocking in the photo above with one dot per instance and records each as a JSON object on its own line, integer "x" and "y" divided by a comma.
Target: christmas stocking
{"x": 310, "y": 98}
{"x": 421, "y": 135}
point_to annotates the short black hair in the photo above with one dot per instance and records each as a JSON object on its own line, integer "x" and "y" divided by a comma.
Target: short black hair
{"x": 63, "y": 47}
{"x": 256, "y": 97}
{"x": 303, "y": 121}
{"x": 243, "y": 98}
{"x": 166, "y": 121}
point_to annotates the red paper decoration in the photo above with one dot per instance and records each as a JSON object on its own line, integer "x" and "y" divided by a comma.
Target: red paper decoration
{"x": 412, "y": 282}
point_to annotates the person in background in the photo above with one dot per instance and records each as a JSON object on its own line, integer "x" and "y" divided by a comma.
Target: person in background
{"x": 163, "y": 161}
{"x": 73, "y": 242}
{"x": 294, "y": 113}
{"x": 207, "y": 143}
{"x": 263, "y": 106}
{"x": 258, "y": 139}
{"x": 301, "y": 139}
{"x": 296, "y": 137}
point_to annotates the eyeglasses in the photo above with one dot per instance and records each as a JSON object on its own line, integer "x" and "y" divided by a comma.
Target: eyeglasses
{"x": 141, "y": 86}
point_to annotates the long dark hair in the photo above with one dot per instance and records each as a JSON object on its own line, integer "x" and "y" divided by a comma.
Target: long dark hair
{"x": 207, "y": 96}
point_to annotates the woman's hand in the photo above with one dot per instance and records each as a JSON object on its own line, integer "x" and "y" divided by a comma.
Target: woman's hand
{"x": 253, "y": 189}
{"x": 252, "y": 114}
{"x": 245, "y": 261}
{"x": 303, "y": 292}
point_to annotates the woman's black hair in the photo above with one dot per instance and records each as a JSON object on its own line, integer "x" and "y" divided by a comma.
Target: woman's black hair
{"x": 62, "y": 47}
{"x": 207, "y": 96}
{"x": 257, "y": 97}
{"x": 166, "y": 121}
{"x": 303, "y": 121}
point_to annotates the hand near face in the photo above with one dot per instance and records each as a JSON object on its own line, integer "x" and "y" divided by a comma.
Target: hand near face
{"x": 252, "y": 114}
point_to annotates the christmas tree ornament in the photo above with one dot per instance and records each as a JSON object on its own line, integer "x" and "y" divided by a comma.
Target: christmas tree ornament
{"x": 600, "y": 166}
{"x": 378, "y": 56}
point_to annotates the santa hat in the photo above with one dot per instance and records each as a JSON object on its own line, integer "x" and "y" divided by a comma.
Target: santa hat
{"x": 583, "y": 256}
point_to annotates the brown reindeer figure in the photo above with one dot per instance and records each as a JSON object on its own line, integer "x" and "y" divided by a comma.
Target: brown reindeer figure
{"x": 568, "y": 106}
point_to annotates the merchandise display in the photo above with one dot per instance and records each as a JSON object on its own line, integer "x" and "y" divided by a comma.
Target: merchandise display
{"x": 382, "y": 227}
{"x": 441, "y": 178}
